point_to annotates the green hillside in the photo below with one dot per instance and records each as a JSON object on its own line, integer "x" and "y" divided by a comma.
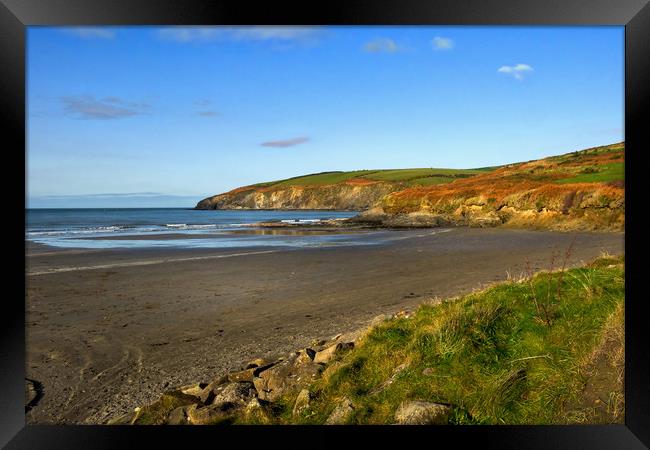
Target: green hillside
{"x": 411, "y": 177}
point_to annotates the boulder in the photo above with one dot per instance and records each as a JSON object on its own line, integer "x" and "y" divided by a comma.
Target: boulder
{"x": 306, "y": 355}
{"x": 259, "y": 362}
{"x": 193, "y": 389}
{"x": 180, "y": 397}
{"x": 180, "y": 415}
{"x": 326, "y": 355}
{"x": 238, "y": 394}
{"x": 212, "y": 414}
{"x": 302, "y": 403}
{"x": 341, "y": 413}
{"x": 250, "y": 373}
{"x": 242, "y": 375}
{"x": 287, "y": 375}
{"x": 422, "y": 413}
{"x": 210, "y": 391}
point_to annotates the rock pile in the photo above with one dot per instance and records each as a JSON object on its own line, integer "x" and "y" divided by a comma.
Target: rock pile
{"x": 247, "y": 393}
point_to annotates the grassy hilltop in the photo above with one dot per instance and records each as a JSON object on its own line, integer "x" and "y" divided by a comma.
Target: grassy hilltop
{"x": 578, "y": 190}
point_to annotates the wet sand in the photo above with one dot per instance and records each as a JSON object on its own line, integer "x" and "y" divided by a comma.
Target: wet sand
{"x": 109, "y": 330}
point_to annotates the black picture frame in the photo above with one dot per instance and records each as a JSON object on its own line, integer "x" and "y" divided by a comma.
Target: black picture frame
{"x": 16, "y": 15}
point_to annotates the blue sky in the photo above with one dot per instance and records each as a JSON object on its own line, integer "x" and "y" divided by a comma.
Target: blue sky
{"x": 151, "y": 116}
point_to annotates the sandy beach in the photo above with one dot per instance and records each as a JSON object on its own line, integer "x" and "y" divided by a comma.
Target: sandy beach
{"x": 110, "y": 329}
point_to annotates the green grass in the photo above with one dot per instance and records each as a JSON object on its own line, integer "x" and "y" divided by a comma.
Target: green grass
{"x": 407, "y": 176}
{"x": 598, "y": 174}
{"x": 322, "y": 178}
{"x": 492, "y": 355}
{"x": 415, "y": 174}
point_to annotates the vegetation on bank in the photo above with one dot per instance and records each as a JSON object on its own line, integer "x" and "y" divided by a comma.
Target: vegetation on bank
{"x": 545, "y": 348}
{"x": 521, "y": 352}
{"x": 409, "y": 177}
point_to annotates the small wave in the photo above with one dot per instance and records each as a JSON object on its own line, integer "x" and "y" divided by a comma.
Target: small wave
{"x": 184, "y": 226}
{"x": 300, "y": 220}
{"x": 92, "y": 230}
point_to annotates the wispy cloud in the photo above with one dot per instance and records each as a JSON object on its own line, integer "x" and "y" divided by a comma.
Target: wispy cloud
{"x": 382, "y": 45}
{"x": 91, "y": 32}
{"x": 295, "y": 34}
{"x": 285, "y": 142}
{"x": 517, "y": 71}
{"x": 442, "y": 43}
{"x": 205, "y": 109}
{"x": 89, "y": 107}
{"x": 208, "y": 113}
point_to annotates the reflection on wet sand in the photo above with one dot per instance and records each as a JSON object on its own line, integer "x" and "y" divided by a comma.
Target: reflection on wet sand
{"x": 294, "y": 232}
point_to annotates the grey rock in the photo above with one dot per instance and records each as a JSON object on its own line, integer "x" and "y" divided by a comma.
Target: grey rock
{"x": 326, "y": 355}
{"x": 180, "y": 415}
{"x": 211, "y": 414}
{"x": 211, "y": 390}
{"x": 422, "y": 413}
{"x": 193, "y": 389}
{"x": 341, "y": 413}
{"x": 285, "y": 376}
{"x": 238, "y": 394}
{"x": 302, "y": 402}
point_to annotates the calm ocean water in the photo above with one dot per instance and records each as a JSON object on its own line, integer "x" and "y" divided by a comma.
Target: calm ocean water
{"x": 154, "y": 228}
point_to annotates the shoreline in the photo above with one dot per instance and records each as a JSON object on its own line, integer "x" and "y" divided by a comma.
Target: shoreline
{"x": 106, "y": 340}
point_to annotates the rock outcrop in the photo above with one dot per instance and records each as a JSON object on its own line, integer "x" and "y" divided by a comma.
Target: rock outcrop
{"x": 341, "y": 196}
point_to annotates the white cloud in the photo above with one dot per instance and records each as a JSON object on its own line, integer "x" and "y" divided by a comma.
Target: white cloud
{"x": 91, "y": 32}
{"x": 441, "y": 43}
{"x": 285, "y": 142}
{"x": 517, "y": 71}
{"x": 251, "y": 33}
{"x": 382, "y": 45}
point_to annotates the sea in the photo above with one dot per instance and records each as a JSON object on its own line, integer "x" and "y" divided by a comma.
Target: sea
{"x": 181, "y": 227}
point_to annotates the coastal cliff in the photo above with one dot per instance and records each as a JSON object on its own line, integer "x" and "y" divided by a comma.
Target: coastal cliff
{"x": 344, "y": 196}
{"x": 582, "y": 190}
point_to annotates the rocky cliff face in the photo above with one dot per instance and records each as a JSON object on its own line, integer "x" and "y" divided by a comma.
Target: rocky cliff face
{"x": 536, "y": 194}
{"x": 342, "y": 196}
{"x": 592, "y": 207}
